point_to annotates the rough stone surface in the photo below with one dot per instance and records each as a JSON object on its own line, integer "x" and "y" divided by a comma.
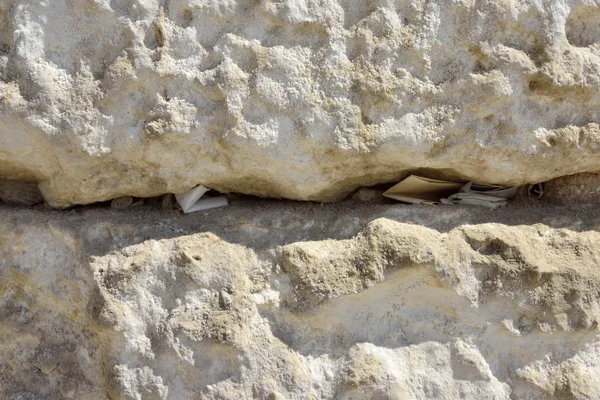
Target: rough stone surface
{"x": 300, "y": 301}
{"x": 17, "y": 192}
{"x": 574, "y": 189}
{"x": 302, "y": 99}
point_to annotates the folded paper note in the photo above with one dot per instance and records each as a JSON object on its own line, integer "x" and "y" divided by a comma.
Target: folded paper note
{"x": 420, "y": 190}
{"x": 475, "y": 199}
{"x": 490, "y": 196}
{"x": 536, "y": 190}
{"x": 121, "y": 203}
{"x": 503, "y": 192}
{"x": 191, "y": 200}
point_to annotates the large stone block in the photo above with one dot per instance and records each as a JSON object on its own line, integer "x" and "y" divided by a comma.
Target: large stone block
{"x": 301, "y": 99}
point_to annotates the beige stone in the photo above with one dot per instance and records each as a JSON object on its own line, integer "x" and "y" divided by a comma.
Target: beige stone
{"x": 573, "y": 189}
{"x": 301, "y": 99}
{"x": 143, "y": 305}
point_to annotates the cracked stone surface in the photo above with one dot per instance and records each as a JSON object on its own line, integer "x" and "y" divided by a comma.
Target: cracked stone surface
{"x": 300, "y": 301}
{"x": 300, "y": 99}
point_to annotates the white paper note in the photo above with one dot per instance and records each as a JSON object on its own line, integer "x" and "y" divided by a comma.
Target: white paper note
{"x": 191, "y": 200}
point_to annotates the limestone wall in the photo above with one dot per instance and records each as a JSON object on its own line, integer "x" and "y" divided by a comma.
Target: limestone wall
{"x": 272, "y": 301}
{"x": 300, "y": 99}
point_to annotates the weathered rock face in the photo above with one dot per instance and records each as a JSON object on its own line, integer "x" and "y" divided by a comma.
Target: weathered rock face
{"x": 301, "y": 99}
{"x": 300, "y": 302}
{"x": 574, "y": 189}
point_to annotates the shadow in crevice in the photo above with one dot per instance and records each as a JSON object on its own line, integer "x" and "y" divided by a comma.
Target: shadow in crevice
{"x": 262, "y": 224}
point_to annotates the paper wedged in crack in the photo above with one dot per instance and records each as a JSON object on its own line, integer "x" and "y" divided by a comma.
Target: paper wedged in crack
{"x": 302, "y": 99}
{"x": 192, "y": 201}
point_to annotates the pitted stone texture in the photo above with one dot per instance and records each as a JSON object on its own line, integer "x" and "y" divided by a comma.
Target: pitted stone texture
{"x": 302, "y": 99}
{"x": 99, "y": 304}
{"x": 573, "y": 189}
